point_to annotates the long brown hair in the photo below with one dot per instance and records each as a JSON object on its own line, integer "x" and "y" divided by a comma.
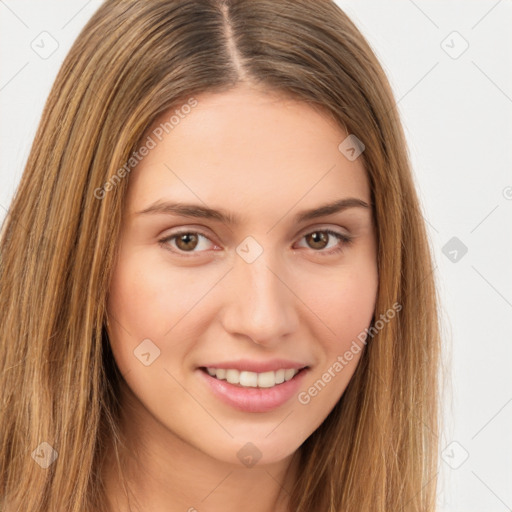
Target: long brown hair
{"x": 377, "y": 449}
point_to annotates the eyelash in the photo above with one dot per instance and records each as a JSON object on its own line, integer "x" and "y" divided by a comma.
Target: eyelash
{"x": 347, "y": 240}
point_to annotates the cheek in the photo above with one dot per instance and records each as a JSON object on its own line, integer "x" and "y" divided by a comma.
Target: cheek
{"x": 148, "y": 297}
{"x": 350, "y": 307}
{"x": 343, "y": 308}
{"x": 344, "y": 304}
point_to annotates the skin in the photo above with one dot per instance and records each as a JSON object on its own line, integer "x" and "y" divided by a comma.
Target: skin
{"x": 263, "y": 158}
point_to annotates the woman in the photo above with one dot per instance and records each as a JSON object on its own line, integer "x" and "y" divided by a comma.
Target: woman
{"x": 216, "y": 286}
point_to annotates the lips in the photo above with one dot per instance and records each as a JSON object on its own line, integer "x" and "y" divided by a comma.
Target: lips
{"x": 253, "y": 399}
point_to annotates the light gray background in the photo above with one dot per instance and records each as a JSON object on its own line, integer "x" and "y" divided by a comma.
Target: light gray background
{"x": 456, "y": 107}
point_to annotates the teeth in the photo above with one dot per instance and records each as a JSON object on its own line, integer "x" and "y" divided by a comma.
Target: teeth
{"x": 232, "y": 376}
{"x": 253, "y": 379}
{"x": 288, "y": 374}
{"x": 248, "y": 379}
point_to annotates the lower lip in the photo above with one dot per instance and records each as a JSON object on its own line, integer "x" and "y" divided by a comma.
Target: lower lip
{"x": 254, "y": 399}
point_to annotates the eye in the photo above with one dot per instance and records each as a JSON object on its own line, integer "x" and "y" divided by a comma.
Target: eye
{"x": 184, "y": 241}
{"x": 187, "y": 241}
{"x": 319, "y": 240}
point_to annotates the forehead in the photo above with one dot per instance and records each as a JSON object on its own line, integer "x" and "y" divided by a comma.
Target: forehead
{"x": 249, "y": 150}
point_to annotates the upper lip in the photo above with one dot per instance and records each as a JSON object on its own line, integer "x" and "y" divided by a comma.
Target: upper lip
{"x": 257, "y": 366}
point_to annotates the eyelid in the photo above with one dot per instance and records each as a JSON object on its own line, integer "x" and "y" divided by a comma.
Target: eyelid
{"x": 325, "y": 227}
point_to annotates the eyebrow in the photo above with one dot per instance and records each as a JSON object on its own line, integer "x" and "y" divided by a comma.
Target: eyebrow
{"x": 203, "y": 212}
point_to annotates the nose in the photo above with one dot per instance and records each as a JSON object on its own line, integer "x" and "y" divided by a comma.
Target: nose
{"x": 261, "y": 305}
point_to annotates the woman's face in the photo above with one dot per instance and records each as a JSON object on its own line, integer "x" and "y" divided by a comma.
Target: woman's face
{"x": 242, "y": 278}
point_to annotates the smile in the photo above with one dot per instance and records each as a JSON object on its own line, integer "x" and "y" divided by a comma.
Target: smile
{"x": 276, "y": 389}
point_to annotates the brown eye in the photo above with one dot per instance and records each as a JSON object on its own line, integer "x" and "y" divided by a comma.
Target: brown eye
{"x": 317, "y": 239}
{"x": 321, "y": 241}
{"x": 187, "y": 241}
{"x": 190, "y": 242}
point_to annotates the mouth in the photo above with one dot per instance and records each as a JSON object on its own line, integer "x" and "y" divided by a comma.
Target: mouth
{"x": 247, "y": 379}
{"x": 251, "y": 391}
